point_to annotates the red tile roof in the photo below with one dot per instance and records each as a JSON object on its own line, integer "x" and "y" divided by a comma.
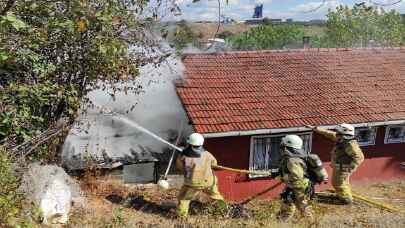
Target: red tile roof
{"x": 239, "y": 91}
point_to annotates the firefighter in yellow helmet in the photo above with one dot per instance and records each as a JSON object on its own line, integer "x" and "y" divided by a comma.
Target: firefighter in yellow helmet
{"x": 346, "y": 157}
{"x": 195, "y": 163}
{"x": 293, "y": 171}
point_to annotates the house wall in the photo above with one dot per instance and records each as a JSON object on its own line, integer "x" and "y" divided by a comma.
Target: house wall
{"x": 382, "y": 162}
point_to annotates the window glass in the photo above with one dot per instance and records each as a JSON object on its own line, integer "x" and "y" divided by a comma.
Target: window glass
{"x": 366, "y": 136}
{"x": 266, "y": 151}
{"x": 395, "y": 134}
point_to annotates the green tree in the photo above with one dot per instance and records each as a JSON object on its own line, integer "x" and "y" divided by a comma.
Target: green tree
{"x": 52, "y": 53}
{"x": 360, "y": 25}
{"x": 183, "y": 35}
{"x": 268, "y": 37}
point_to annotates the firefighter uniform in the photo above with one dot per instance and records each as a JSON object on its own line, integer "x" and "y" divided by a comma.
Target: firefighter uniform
{"x": 346, "y": 157}
{"x": 294, "y": 174}
{"x": 296, "y": 194}
{"x": 198, "y": 177}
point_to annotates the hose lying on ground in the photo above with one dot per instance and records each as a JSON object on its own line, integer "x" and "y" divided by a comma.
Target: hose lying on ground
{"x": 355, "y": 196}
{"x": 374, "y": 203}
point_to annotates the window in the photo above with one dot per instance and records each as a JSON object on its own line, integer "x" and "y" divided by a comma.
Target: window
{"x": 366, "y": 135}
{"x": 265, "y": 151}
{"x": 395, "y": 134}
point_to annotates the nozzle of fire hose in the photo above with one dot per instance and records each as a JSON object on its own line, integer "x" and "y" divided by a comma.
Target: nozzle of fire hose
{"x": 163, "y": 184}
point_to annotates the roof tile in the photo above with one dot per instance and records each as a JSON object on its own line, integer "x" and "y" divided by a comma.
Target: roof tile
{"x": 250, "y": 90}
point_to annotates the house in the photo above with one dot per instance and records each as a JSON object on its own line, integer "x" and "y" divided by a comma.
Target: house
{"x": 111, "y": 143}
{"x": 245, "y": 102}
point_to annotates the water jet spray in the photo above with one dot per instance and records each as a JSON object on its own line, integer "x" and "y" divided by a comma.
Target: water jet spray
{"x": 162, "y": 183}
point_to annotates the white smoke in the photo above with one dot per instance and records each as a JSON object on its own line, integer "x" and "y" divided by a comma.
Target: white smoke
{"x": 157, "y": 108}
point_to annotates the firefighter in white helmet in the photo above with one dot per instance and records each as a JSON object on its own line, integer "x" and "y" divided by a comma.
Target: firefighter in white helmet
{"x": 346, "y": 157}
{"x": 293, "y": 171}
{"x": 195, "y": 163}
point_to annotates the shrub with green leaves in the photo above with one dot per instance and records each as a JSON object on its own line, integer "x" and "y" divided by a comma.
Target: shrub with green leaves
{"x": 268, "y": 37}
{"x": 361, "y": 26}
{"x": 53, "y": 52}
{"x": 183, "y": 36}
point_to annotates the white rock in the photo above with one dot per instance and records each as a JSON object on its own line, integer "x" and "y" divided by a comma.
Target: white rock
{"x": 53, "y": 191}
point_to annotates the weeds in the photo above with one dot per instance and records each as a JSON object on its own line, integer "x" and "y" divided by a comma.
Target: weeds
{"x": 117, "y": 220}
{"x": 10, "y": 198}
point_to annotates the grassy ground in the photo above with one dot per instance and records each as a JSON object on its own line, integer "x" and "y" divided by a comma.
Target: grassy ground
{"x": 112, "y": 204}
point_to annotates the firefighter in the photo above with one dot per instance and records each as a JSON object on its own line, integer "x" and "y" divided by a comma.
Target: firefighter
{"x": 195, "y": 163}
{"x": 346, "y": 158}
{"x": 293, "y": 171}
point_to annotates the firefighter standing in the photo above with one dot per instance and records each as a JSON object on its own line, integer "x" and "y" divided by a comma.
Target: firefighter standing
{"x": 346, "y": 157}
{"x": 293, "y": 171}
{"x": 196, "y": 164}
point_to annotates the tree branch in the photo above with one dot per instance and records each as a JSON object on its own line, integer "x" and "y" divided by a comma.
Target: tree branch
{"x": 9, "y": 5}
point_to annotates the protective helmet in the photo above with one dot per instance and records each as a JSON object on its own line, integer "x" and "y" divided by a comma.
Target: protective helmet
{"x": 345, "y": 129}
{"x": 293, "y": 141}
{"x": 195, "y": 139}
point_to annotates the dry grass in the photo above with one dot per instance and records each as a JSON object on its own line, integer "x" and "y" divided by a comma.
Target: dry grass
{"x": 112, "y": 204}
{"x": 207, "y": 30}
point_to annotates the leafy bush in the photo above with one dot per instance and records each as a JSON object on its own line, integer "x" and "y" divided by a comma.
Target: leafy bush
{"x": 267, "y": 37}
{"x": 362, "y": 26}
{"x": 183, "y": 36}
{"x": 52, "y": 53}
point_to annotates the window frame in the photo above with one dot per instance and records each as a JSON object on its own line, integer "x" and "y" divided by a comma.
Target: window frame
{"x": 375, "y": 129}
{"x": 387, "y": 130}
{"x": 252, "y": 140}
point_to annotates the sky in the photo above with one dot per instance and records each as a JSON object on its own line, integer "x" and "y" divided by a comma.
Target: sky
{"x": 243, "y": 9}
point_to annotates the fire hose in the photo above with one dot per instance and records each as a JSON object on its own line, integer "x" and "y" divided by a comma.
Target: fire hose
{"x": 358, "y": 197}
{"x": 264, "y": 173}
{"x": 164, "y": 183}
{"x": 381, "y": 205}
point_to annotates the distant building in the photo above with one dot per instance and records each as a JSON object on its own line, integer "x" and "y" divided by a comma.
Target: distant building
{"x": 258, "y": 13}
{"x": 264, "y": 21}
{"x": 255, "y": 21}
{"x": 227, "y": 20}
{"x": 276, "y": 20}
{"x": 289, "y": 20}
{"x": 319, "y": 22}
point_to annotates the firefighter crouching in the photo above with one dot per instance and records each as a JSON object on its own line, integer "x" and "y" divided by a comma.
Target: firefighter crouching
{"x": 294, "y": 170}
{"x": 346, "y": 157}
{"x": 195, "y": 163}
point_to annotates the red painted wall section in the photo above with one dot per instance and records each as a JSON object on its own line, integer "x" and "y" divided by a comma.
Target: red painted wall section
{"x": 382, "y": 162}
{"x": 237, "y": 187}
{"x": 230, "y": 151}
